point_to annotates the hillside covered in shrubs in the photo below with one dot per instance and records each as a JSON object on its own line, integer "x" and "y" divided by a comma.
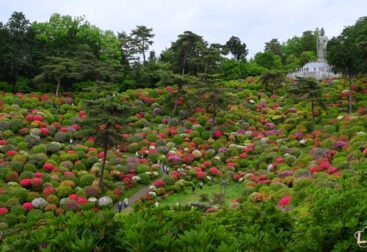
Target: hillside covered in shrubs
{"x": 303, "y": 181}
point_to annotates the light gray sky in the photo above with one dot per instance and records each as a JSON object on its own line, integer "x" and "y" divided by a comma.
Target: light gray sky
{"x": 255, "y": 22}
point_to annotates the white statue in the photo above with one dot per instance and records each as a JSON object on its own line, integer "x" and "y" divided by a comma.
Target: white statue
{"x": 321, "y": 46}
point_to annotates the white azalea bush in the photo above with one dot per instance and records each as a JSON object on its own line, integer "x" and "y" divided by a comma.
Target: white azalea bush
{"x": 104, "y": 201}
{"x": 39, "y": 203}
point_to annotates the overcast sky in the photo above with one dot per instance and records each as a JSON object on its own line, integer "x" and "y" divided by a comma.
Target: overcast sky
{"x": 255, "y": 22}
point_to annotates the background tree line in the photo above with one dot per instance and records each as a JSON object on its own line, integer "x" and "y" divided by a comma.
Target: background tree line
{"x": 75, "y": 54}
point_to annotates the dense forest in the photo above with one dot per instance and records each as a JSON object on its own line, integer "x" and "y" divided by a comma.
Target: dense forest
{"x": 235, "y": 156}
{"x": 75, "y": 54}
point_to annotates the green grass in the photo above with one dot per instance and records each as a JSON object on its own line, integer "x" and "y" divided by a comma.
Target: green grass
{"x": 232, "y": 191}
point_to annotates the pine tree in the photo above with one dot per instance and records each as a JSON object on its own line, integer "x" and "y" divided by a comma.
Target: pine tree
{"x": 309, "y": 89}
{"x": 106, "y": 121}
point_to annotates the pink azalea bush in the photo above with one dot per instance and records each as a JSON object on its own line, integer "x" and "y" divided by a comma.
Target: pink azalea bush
{"x": 48, "y": 167}
{"x": 217, "y": 134}
{"x": 28, "y": 206}
{"x": 214, "y": 171}
{"x": 284, "y": 201}
{"x": 3, "y": 210}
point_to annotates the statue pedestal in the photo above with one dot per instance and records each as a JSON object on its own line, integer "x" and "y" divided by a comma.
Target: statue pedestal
{"x": 318, "y": 70}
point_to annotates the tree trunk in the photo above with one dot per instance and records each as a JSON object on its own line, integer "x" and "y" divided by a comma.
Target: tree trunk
{"x": 143, "y": 52}
{"x": 214, "y": 115}
{"x": 176, "y": 101}
{"x": 175, "y": 107}
{"x": 58, "y": 87}
{"x": 350, "y": 94}
{"x": 100, "y": 181}
{"x": 313, "y": 116}
{"x": 184, "y": 62}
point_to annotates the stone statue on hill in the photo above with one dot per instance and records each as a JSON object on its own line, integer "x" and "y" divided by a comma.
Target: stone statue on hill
{"x": 321, "y": 46}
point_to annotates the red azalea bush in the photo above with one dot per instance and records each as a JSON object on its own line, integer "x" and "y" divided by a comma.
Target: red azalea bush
{"x": 73, "y": 197}
{"x": 44, "y": 131}
{"x": 126, "y": 180}
{"x": 29, "y": 117}
{"x": 175, "y": 174}
{"x": 314, "y": 169}
{"x": 49, "y": 190}
{"x": 213, "y": 171}
{"x": 201, "y": 175}
{"x": 38, "y": 118}
{"x": 37, "y": 183}
{"x": 332, "y": 170}
{"x": 69, "y": 173}
{"x": 25, "y": 182}
{"x": 324, "y": 165}
{"x": 11, "y": 176}
{"x": 159, "y": 183}
{"x": 10, "y": 153}
{"x": 38, "y": 174}
{"x": 82, "y": 200}
{"x": 206, "y": 164}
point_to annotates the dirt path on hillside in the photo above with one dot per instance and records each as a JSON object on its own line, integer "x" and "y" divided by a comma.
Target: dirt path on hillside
{"x": 135, "y": 197}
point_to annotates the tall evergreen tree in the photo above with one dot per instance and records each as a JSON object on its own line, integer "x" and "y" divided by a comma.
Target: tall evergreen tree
{"x": 170, "y": 78}
{"x": 57, "y": 69}
{"x": 16, "y": 53}
{"x": 142, "y": 39}
{"x": 274, "y": 46}
{"x": 273, "y": 78}
{"x": 185, "y": 51}
{"x": 310, "y": 90}
{"x": 106, "y": 121}
{"x": 347, "y": 52}
{"x": 210, "y": 92}
{"x": 236, "y": 48}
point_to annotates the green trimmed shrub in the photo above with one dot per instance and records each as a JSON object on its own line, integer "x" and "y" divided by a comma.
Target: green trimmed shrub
{"x": 16, "y": 124}
{"x": 34, "y": 216}
{"x": 31, "y": 140}
{"x": 64, "y": 191}
{"x": 205, "y": 134}
{"x": 177, "y": 139}
{"x": 141, "y": 168}
{"x": 60, "y": 137}
{"x": 86, "y": 180}
{"x": 30, "y": 167}
{"x": 79, "y": 167}
{"x": 53, "y": 147}
{"x": 151, "y": 137}
{"x": 122, "y": 169}
{"x": 32, "y": 195}
{"x": 16, "y": 166}
{"x": 168, "y": 180}
{"x": 19, "y": 193}
{"x": 217, "y": 144}
{"x": 37, "y": 159}
{"x": 26, "y": 174}
{"x": 18, "y": 210}
{"x": 144, "y": 179}
{"x": 40, "y": 148}
{"x": 197, "y": 140}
